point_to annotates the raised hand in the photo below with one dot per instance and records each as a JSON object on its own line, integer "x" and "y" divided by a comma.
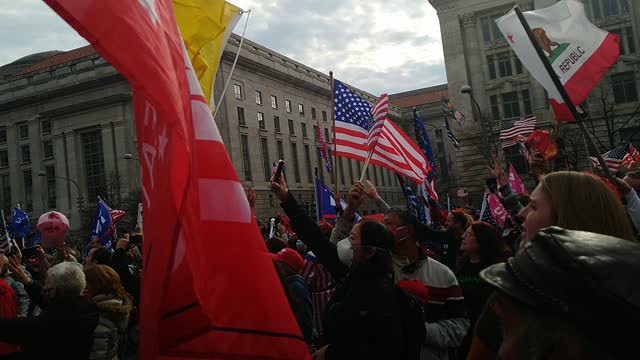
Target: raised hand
{"x": 372, "y": 192}
{"x": 355, "y": 198}
{"x": 17, "y": 273}
{"x": 251, "y": 196}
{"x": 280, "y": 190}
{"x": 498, "y": 172}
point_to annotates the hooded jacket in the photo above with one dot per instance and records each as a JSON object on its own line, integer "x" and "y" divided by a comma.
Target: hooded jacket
{"x": 113, "y": 321}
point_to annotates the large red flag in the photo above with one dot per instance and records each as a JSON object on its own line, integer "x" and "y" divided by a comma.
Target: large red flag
{"x": 209, "y": 287}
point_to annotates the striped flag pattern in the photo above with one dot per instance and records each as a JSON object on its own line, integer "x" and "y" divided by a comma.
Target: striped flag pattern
{"x": 322, "y": 287}
{"x": 323, "y": 146}
{"x": 632, "y": 158}
{"x": 453, "y": 138}
{"x": 513, "y": 128}
{"x": 379, "y": 113}
{"x": 394, "y": 150}
{"x": 613, "y": 158}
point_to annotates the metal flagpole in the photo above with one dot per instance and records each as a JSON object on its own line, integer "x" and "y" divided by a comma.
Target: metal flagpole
{"x": 563, "y": 92}
{"x": 318, "y": 196}
{"x": 333, "y": 121}
{"x": 6, "y": 231}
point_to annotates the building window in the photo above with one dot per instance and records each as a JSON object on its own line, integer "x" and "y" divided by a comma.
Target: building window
{"x": 237, "y": 91}
{"x": 518, "y": 66}
{"x": 504, "y": 64}
{"x": 23, "y": 131}
{"x": 246, "y": 162}
{"x": 51, "y": 187}
{"x": 492, "y": 67}
{"x": 296, "y": 166}
{"x": 258, "y": 97}
{"x": 375, "y": 174}
{"x": 274, "y": 102}
{"x": 47, "y": 149}
{"x": 266, "y": 166}
{"x": 287, "y": 105}
{"x": 28, "y": 189}
{"x": 304, "y": 130}
{"x": 4, "y": 159}
{"x": 324, "y": 116}
{"x": 301, "y": 109}
{"x": 350, "y": 171}
{"x": 359, "y": 169}
{"x": 25, "y": 151}
{"x": 627, "y": 43}
{"x": 313, "y": 113}
{"x": 241, "y": 120}
{"x": 382, "y": 172}
{"x": 320, "y": 165}
{"x": 261, "y": 124}
{"x": 315, "y": 132}
{"x": 276, "y": 123}
{"x": 595, "y": 7}
{"x": 438, "y": 133}
{"x": 526, "y": 100}
{"x": 292, "y": 130}
{"x": 94, "y": 163}
{"x": 341, "y": 171}
{"x": 490, "y": 29}
{"x": 307, "y": 161}
{"x": 624, "y": 87}
{"x": 510, "y": 105}
{"x": 326, "y": 136}
{"x": 441, "y": 147}
{"x": 6, "y": 192}
{"x": 45, "y": 127}
{"x": 280, "y": 150}
{"x": 610, "y": 7}
{"x": 624, "y": 6}
{"x": 3, "y": 135}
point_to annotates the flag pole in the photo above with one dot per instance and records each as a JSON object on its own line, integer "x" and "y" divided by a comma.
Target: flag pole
{"x": 318, "y": 195}
{"x": 6, "y": 231}
{"x": 364, "y": 168}
{"x": 563, "y": 92}
{"x": 333, "y": 121}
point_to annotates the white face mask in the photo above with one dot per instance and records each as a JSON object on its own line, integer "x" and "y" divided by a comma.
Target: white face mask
{"x": 345, "y": 251}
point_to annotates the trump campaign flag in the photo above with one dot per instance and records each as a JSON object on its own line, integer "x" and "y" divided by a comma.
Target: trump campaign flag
{"x": 102, "y": 224}
{"x": 20, "y": 223}
{"x": 498, "y": 212}
{"x": 515, "y": 182}
{"x": 326, "y": 204}
{"x": 198, "y": 302}
{"x": 579, "y": 52}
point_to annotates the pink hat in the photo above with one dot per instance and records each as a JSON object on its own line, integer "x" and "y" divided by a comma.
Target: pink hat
{"x": 53, "y": 226}
{"x": 291, "y": 258}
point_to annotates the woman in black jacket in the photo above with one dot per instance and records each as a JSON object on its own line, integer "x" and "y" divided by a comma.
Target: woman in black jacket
{"x": 369, "y": 317}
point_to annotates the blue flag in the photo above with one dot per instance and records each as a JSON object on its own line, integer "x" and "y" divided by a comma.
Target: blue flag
{"x": 413, "y": 203}
{"x": 101, "y": 228}
{"x": 326, "y": 204}
{"x": 20, "y": 225}
{"x": 422, "y": 138}
{"x": 35, "y": 240}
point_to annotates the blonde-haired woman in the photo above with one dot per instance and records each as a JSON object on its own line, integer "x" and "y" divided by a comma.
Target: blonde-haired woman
{"x": 114, "y": 306}
{"x": 575, "y": 201}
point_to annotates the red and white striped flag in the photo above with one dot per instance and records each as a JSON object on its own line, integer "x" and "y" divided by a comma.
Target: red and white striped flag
{"x": 632, "y": 157}
{"x": 514, "y": 129}
{"x": 613, "y": 158}
{"x": 379, "y": 114}
{"x": 394, "y": 149}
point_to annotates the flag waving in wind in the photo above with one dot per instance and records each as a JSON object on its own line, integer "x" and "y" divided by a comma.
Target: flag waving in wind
{"x": 101, "y": 228}
{"x": 326, "y": 204}
{"x": 379, "y": 113}
{"x": 579, "y": 52}
{"x": 20, "y": 224}
{"x": 197, "y": 303}
{"x": 625, "y": 155}
{"x": 323, "y": 146}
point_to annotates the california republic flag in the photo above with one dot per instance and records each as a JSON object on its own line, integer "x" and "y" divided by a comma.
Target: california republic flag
{"x": 579, "y": 52}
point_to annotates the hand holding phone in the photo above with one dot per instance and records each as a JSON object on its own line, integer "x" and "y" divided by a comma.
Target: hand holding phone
{"x": 278, "y": 173}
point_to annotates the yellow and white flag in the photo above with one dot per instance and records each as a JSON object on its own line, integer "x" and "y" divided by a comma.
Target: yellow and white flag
{"x": 206, "y": 26}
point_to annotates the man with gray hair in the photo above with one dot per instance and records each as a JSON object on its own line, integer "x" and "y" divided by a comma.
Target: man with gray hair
{"x": 64, "y": 330}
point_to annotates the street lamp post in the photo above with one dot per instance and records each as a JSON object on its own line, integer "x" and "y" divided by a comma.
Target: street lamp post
{"x": 80, "y": 197}
{"x": 466, "y": 89}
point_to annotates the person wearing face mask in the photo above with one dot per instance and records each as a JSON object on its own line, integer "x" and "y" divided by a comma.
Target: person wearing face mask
{"x": 573, "y": 201}
{"x": 66, "y": 315}
{"x": 369, "y": 317}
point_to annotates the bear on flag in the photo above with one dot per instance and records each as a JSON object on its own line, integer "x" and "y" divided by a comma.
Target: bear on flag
{"x": 579, "y": 52}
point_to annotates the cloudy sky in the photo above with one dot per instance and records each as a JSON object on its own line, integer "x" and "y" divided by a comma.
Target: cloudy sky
{"x": 371, "y": 44}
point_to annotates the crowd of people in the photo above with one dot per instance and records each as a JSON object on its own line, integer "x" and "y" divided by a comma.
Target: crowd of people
{"x": 542, "y": 287}
{"x": 555, "y": 283}
{"x": 51, "y": 306}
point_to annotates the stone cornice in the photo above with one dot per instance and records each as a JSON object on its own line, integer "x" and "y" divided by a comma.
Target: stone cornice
{"x": 86, "y": 105}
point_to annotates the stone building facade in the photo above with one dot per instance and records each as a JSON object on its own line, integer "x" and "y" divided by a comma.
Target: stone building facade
{"x": 67, "y": 130}
{"x": 477, "y": 55}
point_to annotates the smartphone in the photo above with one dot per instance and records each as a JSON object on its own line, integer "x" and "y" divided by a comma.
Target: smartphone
{"x": 278, "y": 173}
{"x": 29, "y": 252}
{"x": 492, "y": 184}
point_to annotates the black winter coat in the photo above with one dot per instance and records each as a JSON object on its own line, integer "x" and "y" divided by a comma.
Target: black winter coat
{"x": 63, "y": 331}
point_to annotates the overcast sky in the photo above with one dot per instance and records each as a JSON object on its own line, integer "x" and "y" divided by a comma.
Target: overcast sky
{"x": 371, "y": 44}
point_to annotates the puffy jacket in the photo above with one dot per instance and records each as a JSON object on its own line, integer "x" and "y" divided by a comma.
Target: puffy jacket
{"x": 113, "y": 320}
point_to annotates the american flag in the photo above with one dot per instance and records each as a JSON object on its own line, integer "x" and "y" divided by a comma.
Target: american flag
{"x": 632, "y": 158}
{"x": 511, "y": 129}
{"x": 448, "y": 109}
{"x": 625, "y": 155}
{"x": 394, "y": 150}
{"x": 379, "y": 113}
{"x": 321, "y": 285}
{"x": 323, "y": 146}
{"x": 115, "y": 216}
{"x": 486, "y": 212}
{"x": 452, "y": 137}
{"x": 422, "y": 138}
